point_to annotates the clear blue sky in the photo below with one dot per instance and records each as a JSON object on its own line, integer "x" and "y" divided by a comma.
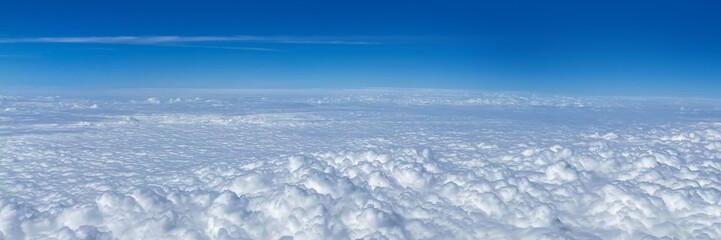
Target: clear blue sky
{"x": 646, "y": 48}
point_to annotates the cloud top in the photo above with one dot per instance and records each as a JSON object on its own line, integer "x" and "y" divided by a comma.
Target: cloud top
{"x": 370, "y": 164}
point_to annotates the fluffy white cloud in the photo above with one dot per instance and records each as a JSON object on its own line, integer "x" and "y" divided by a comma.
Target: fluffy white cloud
{"x": 374, "y": 164}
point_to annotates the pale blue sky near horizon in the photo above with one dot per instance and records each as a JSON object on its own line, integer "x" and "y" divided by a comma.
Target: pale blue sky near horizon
{"x": 643, "y": 48}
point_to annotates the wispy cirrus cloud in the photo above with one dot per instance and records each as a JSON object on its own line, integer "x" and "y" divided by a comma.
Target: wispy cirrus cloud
{"x": 151, "y": 40}
{"x": 16, "y": 56}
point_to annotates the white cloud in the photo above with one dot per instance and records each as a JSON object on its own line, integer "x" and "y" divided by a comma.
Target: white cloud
{"x": 144, "y": 40}
{"x": 358, "y": 164}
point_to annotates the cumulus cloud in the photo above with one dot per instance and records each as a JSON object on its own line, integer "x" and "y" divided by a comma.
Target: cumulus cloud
{"x": 291, "y": 166}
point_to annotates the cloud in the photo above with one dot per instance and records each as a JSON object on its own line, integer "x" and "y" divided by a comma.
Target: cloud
{"x": 156, "y": 40}
{"x": 16, "y": 56}
{"x": 320, "y": 164}
{"x": 226, "y": 47}
{"x": 192, "y": 41}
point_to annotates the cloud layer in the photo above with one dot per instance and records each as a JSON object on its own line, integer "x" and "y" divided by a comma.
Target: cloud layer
{"x": 381, "y": 164}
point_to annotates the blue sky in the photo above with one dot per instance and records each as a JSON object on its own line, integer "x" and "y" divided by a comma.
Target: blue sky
{"x": 644, "y": 48}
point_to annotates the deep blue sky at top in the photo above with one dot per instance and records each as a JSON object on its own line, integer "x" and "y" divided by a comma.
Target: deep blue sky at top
{"x": 647, "y": 48}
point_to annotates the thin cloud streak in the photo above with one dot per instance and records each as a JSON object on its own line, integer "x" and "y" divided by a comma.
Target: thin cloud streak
{"x": 17, "y": 56}
{"x": 225, "y": 48}
{"x": 154, "y": 40}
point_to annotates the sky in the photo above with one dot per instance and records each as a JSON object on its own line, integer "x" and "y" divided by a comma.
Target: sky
{"x": 619, "y": 48}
